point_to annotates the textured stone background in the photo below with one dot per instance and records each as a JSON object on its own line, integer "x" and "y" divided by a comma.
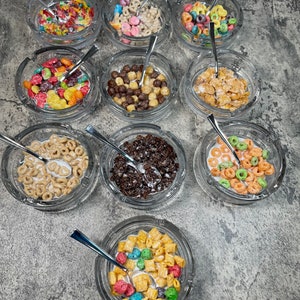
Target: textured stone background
{"x": 240, "y": 252}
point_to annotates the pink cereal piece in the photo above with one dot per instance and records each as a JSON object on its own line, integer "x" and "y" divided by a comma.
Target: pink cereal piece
{"x": 41, "y": 99}
{"x": 125, "y": 27}
{"x": 120, "y": 287}
{"x": 189, "y": 26}
{"x": 53, "y": 79}
{"x": 200, "y": 26}
{"x": 188, "y": 7}
{"x": 125, "y": 41}
{"x": 30, "y": 93}
{"x": 60, "y": 92}
{"x": 230, "y": 27}
{"x": 134, "y": 21}
{"x": 207, "y": 20}
{"x": 130, "y": 290}
{"x": 84, "y": 90}
{"x": 50, "y": 62}
{"x": 175, "y": 270}
{"x": 36, "y": 79}
{"x": 134, "y": 31}
{"x": 121, "y": 258}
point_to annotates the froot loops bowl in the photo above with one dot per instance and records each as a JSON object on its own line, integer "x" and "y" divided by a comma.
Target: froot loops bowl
{"x": 149, "y": 246}
{"x": 31, "y": 182}
{"x": 128, "y": 24}
{"x": 191, "y": 23}
{"x": 262, "y": 164}
{"x": 75, "y": 23}
{"x": 229, "y": 96}
{"x": 120, "y": 86}
{"x": 147, "y": 144}
{"x": 39, "y": 89}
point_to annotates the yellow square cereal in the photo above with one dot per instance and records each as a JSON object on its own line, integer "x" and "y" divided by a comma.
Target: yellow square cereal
{"x": 150, "y": 265}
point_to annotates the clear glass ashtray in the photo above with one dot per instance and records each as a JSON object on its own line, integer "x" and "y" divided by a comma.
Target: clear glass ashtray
{"x": 155, "y": 99}
{"x": 258, "y": 176}
{"x": 191, "y": 23}
{"x": 149, "y": 145}
{"x": 46, "y": 186}
{"x": 235, "y": 91}
{"x": 130, "y": 25}
{"x": 74, "y": 23}
{"x": 40, "y": 91}
{"x": 166, "y": 234}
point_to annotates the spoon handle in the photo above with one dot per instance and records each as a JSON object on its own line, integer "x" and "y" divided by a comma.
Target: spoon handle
{"x": 152, "y": 43}
{"x": 211, "y": 7}
{"x": 12, "y": 142}
{"x": 83, "y": 239}
{"x": 85, "y": 57}
{"x": 214, "y": 48}
{"x": 216, "y": 127}
{"x": 91, "y": 130}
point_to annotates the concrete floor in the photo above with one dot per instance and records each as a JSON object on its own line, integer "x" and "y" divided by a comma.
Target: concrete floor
{"x": 240, "y": 252}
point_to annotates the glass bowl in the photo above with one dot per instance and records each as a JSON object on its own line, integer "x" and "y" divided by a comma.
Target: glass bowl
{"x": 235, "y": 95}
{"x": 152, "y": 193}
{"x": 270, "y": 179}
{"x": 128, "y": 30}
{"x": 31, "y": 187}
{"x": 163, "y": 95}
{"x": 38, "y": 88}
{"x": 131, "y": 227}
{"x": 76, "y": 27}
{"x": 191, "y": 26}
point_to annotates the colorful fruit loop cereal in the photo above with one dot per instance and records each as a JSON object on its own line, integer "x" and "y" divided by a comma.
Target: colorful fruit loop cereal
{"x": 70, "y": 17}
{"x": 54, "y": 180}
{"x": 127, "y": 22}
{"x": 227, "y": 91}
{"x": 250, "y": 177}
{"x": 194, "y": 19}
{"x": 123, "y": 87}
{"x": 147, "y": 255}
{"x": 46, "y": 91}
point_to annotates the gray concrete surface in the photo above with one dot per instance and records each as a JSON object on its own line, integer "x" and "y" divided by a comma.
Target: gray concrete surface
{"x": 240, "y": 252}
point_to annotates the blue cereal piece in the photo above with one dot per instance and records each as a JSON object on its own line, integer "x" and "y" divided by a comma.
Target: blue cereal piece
{"x": 118, "y": 9}
{"x": 136, "y": 296}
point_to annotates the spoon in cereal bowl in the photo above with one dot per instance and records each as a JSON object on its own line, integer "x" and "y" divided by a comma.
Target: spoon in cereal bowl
{"x": 221, "y": 134}
{"x": 150, "y": 173}
{"x": 83, "y": 239}
{"x": 56, "y": 167}
{"x": 214, "y": 48}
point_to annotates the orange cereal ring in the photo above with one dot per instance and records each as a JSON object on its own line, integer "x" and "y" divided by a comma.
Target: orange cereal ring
{"x": 250, "y": 143}
{"x": 186, "y": 17}
{"x": 270, "y": 171}
{"x": 247, "y": 155}
{"x": 246, "y": 163}
{"x": 215, "y": 172}
{"x": 216, "y": 152}
{"x": 233, "y": 182}
{"x": 239, "y": 187}
{"x": 222, "y": 174}
{"x": 220, "y": 141}
{"x": 250, "y": 177}
{"x": 224, "y": 148}
{"x": 239, "y": 154}
{"x": 256, "y": 151}
{"x": 212, "y": 162}
{"x": 229, "y": 173}
{"x": 225, "y": 157}
{"x": 263, "y": 166}
{"x": 253, "y": 188}
{"x": 257, "y": 173}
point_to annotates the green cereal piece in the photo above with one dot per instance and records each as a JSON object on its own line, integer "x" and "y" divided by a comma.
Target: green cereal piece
{"x": 262, "y": 182}
{"x": 225, "y": 183}
{"x": 140, "y": 264}
{"x": 241, "y": 174}
{"x": 241, "y": 146}
{"x": 63, "y": 85}
{"x": 225, "y": 165}
{"x": 171, "y": 293}
{"x": 254, "y": 161}
{"x": 232, "y": 21}
{"x": 146, "y": 254}
{"x": 233, "y": 140}
{"x": 265, "y": 154}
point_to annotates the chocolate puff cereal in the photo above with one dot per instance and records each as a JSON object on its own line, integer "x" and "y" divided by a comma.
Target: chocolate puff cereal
{"x": 123, "y": 87}
{"x": 152, "y": 151}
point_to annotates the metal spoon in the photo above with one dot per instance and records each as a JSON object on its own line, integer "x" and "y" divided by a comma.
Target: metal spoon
{"x": 153, "y": 39}
{"x": 138, "y": 166}
{"x": 85, "y": 57}
{"x": 214, "y": 48}
{"x": 83, "y": 239}
{"x": 13, "y": 143}
{"x": 140, "y": 7}
{"x": 216, "y": 127}
{"x": 46, "y": 7}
